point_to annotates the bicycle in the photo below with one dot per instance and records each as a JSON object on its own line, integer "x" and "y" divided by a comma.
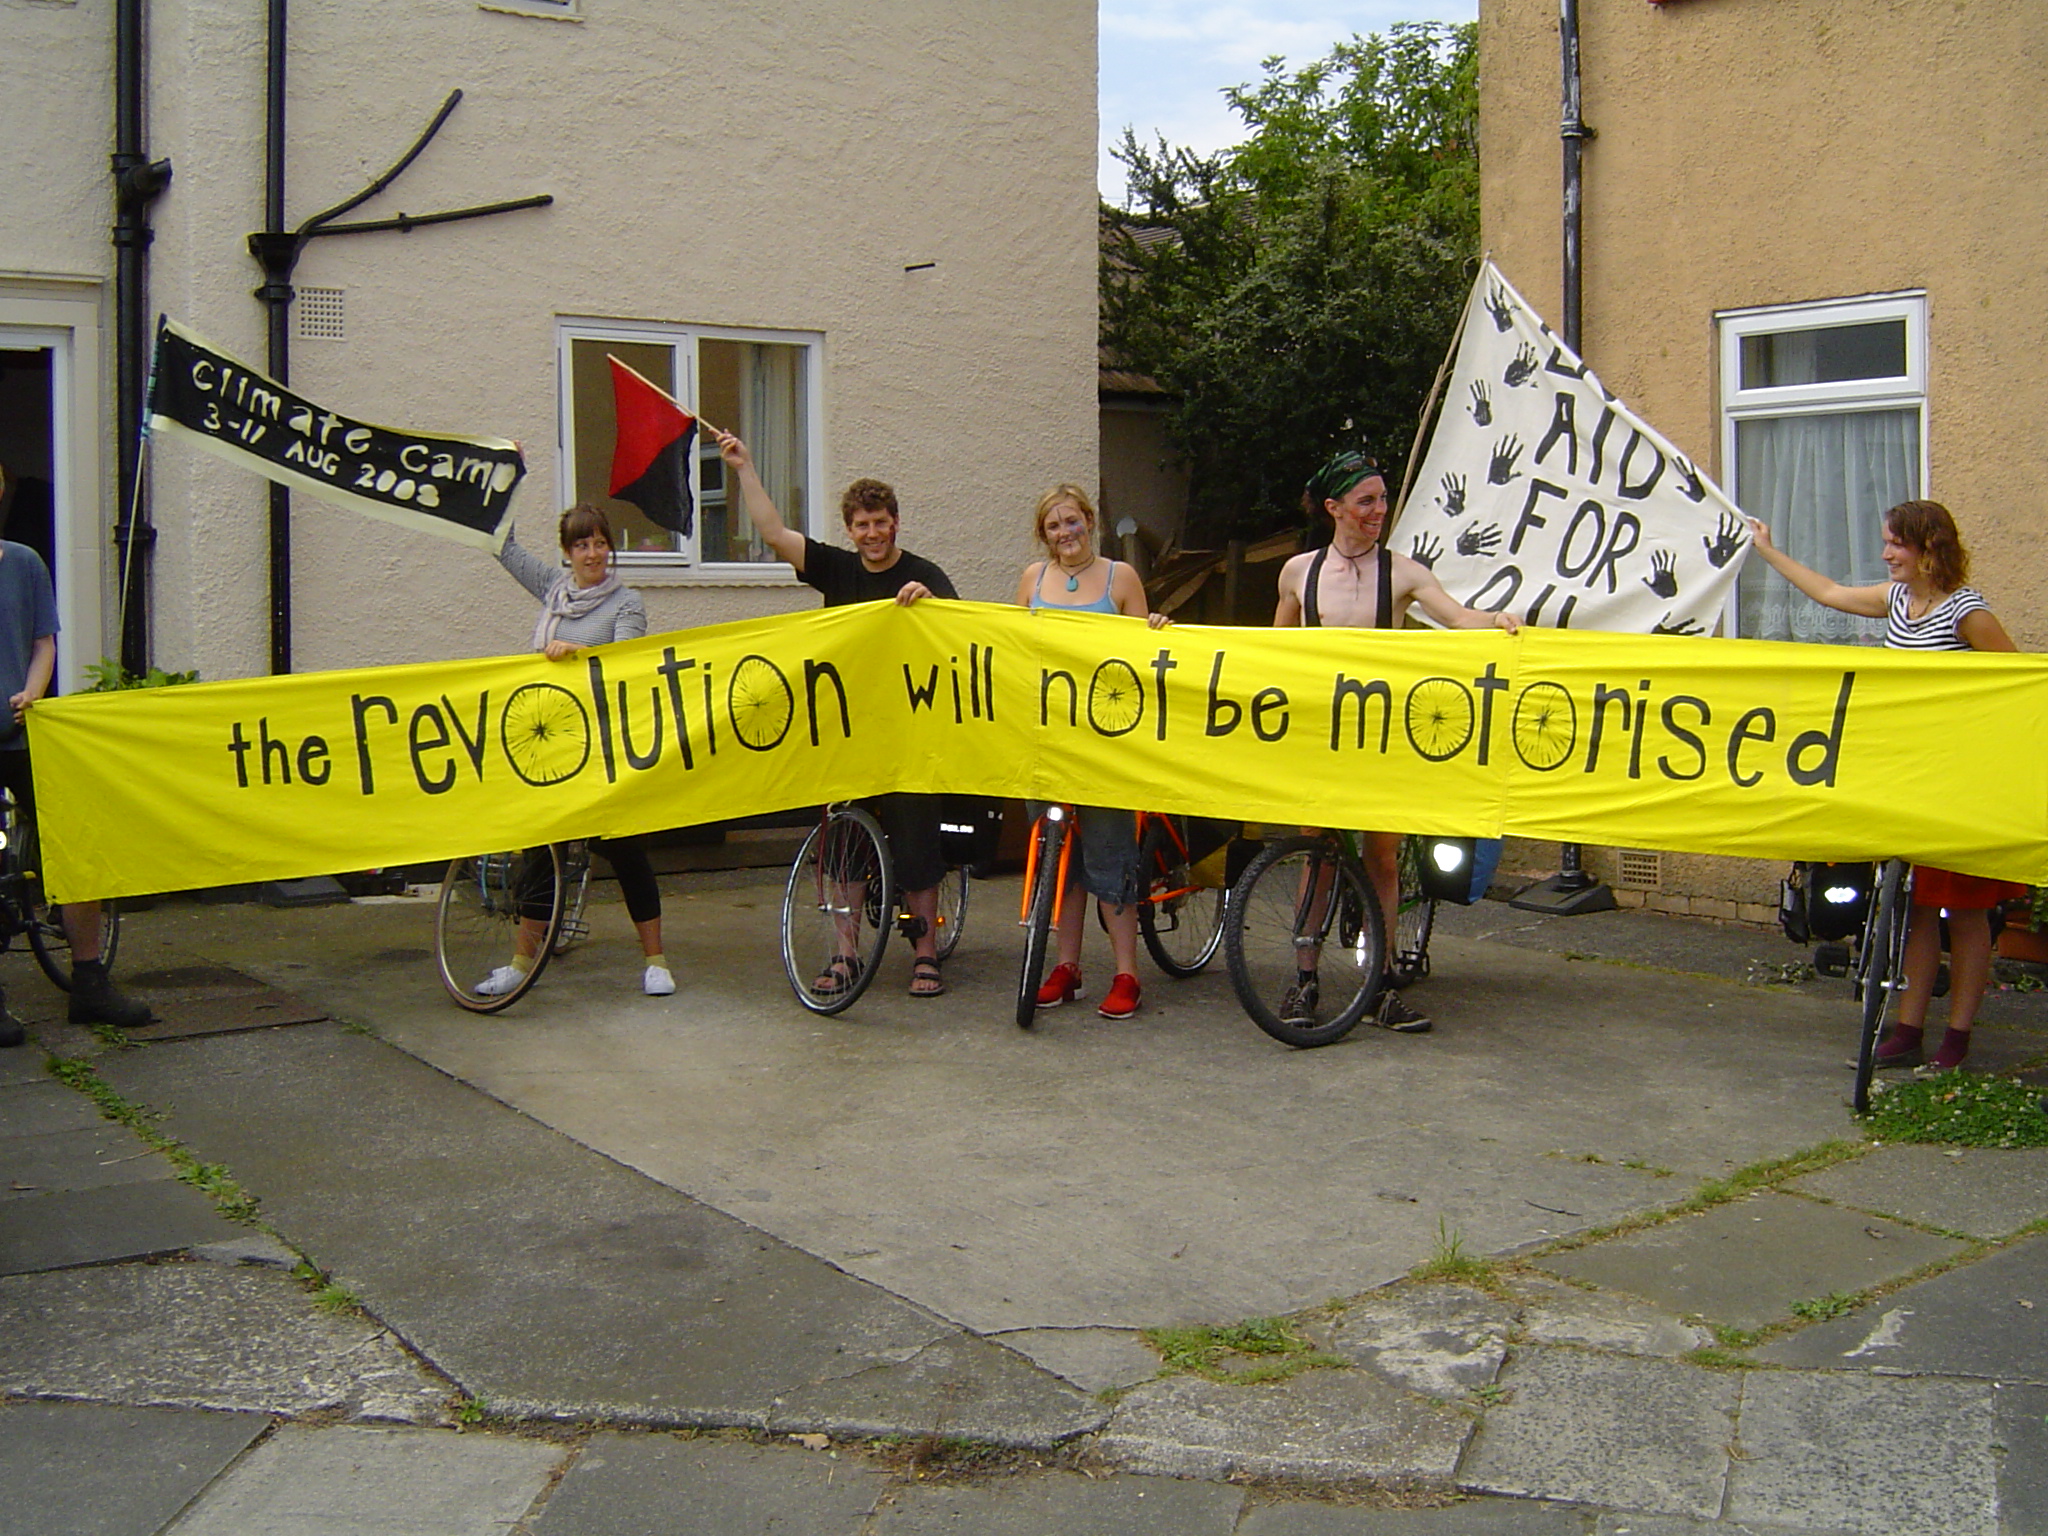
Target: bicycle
{"x": 1415, "y": 920}
{"x": 25, "y": 909}
{"x": 1180, "y": 916}
{"x": 1879, "y": 969}
{"x": 840, "y": 903}
{"x": 1305, "y": 939}
{"x": 486, "y": 900}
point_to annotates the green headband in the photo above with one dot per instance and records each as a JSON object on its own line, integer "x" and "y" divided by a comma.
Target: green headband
{"x": 1343, "y": 471}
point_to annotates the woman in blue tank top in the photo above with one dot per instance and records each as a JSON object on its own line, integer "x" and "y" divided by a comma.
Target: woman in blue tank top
{"x": 1074, "y": 576}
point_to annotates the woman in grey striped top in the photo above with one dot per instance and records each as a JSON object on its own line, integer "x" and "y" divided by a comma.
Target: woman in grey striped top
{"x": 1927, "y": 606}
{"x": 582, "y": 606}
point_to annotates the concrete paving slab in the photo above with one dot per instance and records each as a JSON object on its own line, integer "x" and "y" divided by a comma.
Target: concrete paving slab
{"x": 1985, "y": 1319}
{"x": 1978, "y": 1191}
{"x": 958, "y": 1385}
{"x": 18, "y": 1067}
{"x": 1321, "y": 1426}
{"x": 1648, "y": 1435}
{"x": 1745, "y": 1263}
{"x": 1067, "y": 1503}
{"x": 39, "y": 1107}
{"x": 376, "y": 1482}
{"x": 643, "y": 1484}
{"x": 90, "y": 1158}
{"x": 98, "y": 1226}
{"x": 2022, "y": 1444}
{"x": 1087, "y": 1174}
{"x": 541, "y": 1276}
{"x": 1467, "y": 1517}
{"x": 211, "y": 999}
{"x": 1609, "y": 1523}
{"x": 1439, "y": 1340}
{"x": 1553, "y": 1312}
{"x": 204, "y": 1336}
{"x": 1093, "y": 1359}
{"x": 1907, "y": 1458}
{"x": 83, "y": 1469}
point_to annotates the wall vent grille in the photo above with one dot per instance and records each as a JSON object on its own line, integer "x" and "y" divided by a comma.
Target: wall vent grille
{"x": 1641, "y": 871}
{"x": 321, "y": 314}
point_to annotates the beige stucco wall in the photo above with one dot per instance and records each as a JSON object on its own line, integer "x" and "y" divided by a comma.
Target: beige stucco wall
{"x": 1753, "y": 153}
{"x": 762, "y": 166}
{"x": 1139, "y": 476}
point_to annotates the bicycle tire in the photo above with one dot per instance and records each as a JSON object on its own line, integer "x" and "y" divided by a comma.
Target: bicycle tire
{"x": 1880, "y": 971}
{"x": 48, "y": 940}
{"x": 484, "y": 898}
{"x": 955, "y": 887}
{"x": 840, "y": 900}
{"x": 1301, "y": 894}
{"x": 1181, "y": 922}
{"x": 576, "y": 900}
{"x": 1049, "y": 834}
{"x": 1414, "y": 923}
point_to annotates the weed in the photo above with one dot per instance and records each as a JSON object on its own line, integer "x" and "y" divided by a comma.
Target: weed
{"x": 1746, "y": 1181}
{"x": 1491, "y": 1393}
{"x": 210, "y": 1179}
{"x": 1819, "y": 1309}
{"x": 1734, "y": 1338}
{"x": 1449, "y": 1261}
{"x": 336, "y": 1298}
{"x": 1717, "y": 1360}
{"x": 1959, "y": 1109}
{"x": 1258, "y": 1349}
{"x": 471, "y": 1410}
{"x": 1637, "y": 1165}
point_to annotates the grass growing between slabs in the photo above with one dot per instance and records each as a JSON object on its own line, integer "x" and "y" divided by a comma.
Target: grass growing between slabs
{"x": 1959, "y": 1109}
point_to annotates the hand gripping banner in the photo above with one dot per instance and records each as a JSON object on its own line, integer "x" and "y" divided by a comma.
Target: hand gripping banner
{"x": 1760, "y": 748}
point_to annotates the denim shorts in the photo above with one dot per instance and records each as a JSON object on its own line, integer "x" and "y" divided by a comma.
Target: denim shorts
{"x": 1109, "y": 851}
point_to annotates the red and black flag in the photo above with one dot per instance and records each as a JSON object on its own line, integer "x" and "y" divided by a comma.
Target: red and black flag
{"x": 651, "y": 459}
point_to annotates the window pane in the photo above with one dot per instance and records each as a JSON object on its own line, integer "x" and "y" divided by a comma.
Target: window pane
{"x": 594, "y": 426}
{"x": 755, "y": 389}
{"x": 1828, "y": 355}
{"x": 1823, "y": 484}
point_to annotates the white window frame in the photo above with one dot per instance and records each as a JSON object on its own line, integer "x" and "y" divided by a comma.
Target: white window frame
{"x": 682, "y": 567}
{"x": 1903, "y": 391}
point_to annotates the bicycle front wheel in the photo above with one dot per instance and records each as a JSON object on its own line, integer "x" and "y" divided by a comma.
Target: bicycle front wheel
{"x": 1415, "y": 921}
{"x": 954, "y": 887}
{"x": 485, "y": 900}
{"x": 836, "y": 910}
{"x": 1305, "y": 942}
{"x": 1049, "y": 836}
{"x": 575, "y": 895}
{"x": 1880, "y": 970}
{"x": 1182, "y": 922}
{"x": 47, "y": 936}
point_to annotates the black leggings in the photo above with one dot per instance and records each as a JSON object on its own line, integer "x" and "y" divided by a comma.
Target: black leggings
{"x": 628, "y": 859}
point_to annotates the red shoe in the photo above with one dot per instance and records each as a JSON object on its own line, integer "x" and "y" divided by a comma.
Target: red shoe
{"x": 1121, "y": 1001}
{"x": 1062, "y": 986}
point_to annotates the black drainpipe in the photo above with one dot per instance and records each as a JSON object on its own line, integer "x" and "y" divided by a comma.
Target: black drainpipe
{"x": 138, "y": 182}
{"x": 277, "y": 249}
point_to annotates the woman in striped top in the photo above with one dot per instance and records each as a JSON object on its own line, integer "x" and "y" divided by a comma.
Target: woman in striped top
{"x": 1926, "y": 606}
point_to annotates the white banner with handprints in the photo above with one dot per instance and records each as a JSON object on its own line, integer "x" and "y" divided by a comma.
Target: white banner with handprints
{"x": 1543, "y": 494}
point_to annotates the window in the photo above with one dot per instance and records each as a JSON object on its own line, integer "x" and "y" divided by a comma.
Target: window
{"x": 558, "y": 10}
{"x": 761, "y": 385}
{"x": 1824, "y": 410}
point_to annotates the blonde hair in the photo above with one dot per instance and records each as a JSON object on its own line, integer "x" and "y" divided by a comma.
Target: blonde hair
{"x": 1064, "y": 491}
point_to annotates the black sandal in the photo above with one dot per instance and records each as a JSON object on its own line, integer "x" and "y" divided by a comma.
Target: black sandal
{"x": 839, "y": 976}
{"x": 924, "y": 968}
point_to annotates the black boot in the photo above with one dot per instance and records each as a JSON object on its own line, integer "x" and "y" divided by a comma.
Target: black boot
{"x": 11, "y": 1032}
{"x": 94, "y": 1000}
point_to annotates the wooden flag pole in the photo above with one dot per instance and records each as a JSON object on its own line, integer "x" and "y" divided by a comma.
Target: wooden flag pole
{"x": 1435, "y": 389}
{"x": 671, "y": 399}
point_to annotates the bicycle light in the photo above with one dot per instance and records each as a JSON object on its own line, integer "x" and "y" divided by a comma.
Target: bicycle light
{"x": 1458, "y": 869}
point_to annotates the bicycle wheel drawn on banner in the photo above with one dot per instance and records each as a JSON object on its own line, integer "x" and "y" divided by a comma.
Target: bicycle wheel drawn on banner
{"x": 1439, "y": 718}
{"x": 546, "y": 733}
{"x": 1546, "y": 726}
{"x": 1116, "y": 698}
{"x": 761, "y": 703}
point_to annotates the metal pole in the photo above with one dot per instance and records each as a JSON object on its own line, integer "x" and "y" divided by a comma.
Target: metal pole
{"x": 276, "y": 293}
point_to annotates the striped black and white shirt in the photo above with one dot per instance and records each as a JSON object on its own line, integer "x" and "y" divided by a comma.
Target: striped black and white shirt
{"x": 1939, "y": 629}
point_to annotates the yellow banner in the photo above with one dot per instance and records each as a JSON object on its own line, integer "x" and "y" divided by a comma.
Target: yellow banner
{"x": 1710, "y": 746}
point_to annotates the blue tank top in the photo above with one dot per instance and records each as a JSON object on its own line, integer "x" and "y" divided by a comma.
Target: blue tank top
{"x": 1103, "y": 604}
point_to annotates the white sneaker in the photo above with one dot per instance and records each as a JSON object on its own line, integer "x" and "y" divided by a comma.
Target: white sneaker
{"x": 499, "y": 982}
{"x": 657, "y": 982}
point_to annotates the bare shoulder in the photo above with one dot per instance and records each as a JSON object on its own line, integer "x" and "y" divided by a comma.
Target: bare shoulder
{"x": 1411, "y": 575}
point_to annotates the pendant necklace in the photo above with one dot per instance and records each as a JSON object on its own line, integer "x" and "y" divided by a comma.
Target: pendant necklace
{"x": 1074, "y": 576}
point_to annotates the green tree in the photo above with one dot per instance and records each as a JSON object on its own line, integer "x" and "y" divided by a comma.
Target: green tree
{"x": 1297, "y": 291}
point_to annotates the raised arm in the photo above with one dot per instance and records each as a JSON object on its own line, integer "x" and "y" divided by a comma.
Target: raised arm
{"x": 787, "y": 543}
{"x": 1427, "y": 593}
{"x": 1868, "y": 602}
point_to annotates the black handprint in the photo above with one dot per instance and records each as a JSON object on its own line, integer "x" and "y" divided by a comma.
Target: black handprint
{"x": 1522, "y": 368}
{"x": 1482, "y": 408}
{"x": 1502, "y": 311}
{"x": 1453, "y": 498}
{"x": 1663, "y": 577}
{"x": 1480, "y": 541}
{"x": 1505, "y": 452}
{"x": 1665, "y": 626}
{"x": 1689, "y": 478}
{"x": 1425, "y": 550}
{"x": 1728, "y": 538}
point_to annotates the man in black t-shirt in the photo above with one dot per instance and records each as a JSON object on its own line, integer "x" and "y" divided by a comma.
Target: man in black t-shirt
{"x": 874, "y": 569}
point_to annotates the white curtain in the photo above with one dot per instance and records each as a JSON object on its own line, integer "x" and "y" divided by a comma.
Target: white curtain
{"x": 1823, "y": 484}
{"x": 770, "y": 404}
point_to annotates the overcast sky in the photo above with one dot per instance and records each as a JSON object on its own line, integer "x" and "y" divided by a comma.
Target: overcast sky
{"x": 1166, "y": 63}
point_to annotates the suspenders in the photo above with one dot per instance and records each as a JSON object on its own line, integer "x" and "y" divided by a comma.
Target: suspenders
{"x": 1383, "y": 610}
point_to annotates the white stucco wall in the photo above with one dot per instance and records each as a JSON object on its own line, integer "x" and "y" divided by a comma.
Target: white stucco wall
{"x": 773, "y": 166}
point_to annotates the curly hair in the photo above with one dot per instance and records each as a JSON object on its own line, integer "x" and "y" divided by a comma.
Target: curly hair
{"x": 1927, "y": 527}
{"x": 582, "y": 521}
{"x": 1064, "y": 491}
{"x": 868, "y": 496}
